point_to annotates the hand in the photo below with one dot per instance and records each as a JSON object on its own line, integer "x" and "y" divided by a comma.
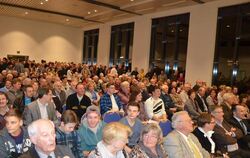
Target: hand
{"x": 233, "y": 129}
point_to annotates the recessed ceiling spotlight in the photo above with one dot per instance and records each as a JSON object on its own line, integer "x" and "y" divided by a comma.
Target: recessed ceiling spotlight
{"x": 46, "y": 0}
{"x": 89, "y": 12}
{"x": 41, "y": 3}
{"x": 228, "y": 26}
{"x": 26, "y": 13}
{"x": 67, "y": 19}
{"x": 132, "y": 0}
{"x": 172, "y": 30}
{"x": 95, "y": 10}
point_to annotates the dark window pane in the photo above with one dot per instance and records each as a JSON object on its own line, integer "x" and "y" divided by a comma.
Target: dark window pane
{"x": 90, "y": 46}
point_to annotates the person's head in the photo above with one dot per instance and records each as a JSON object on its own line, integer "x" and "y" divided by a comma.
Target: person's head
{"x": 156, "y": 92}
{"x": 8, "y": 84}
{"x": 3, "y": 100}
{"x": 69, "y": 121}
{"x": 164, "y": 88}
{"x": 186, "y": 87}
{"x": 73, "y": 84}
{"x": 135, "y": 96}
{"x": 191, "y": 93}
{"x": 116, "y": 134}
{"x": 58, "y": 86}
{"x": 16, "y": 84}
{"x": 110, "y": 88}
{"x": 151, "y": 135}
{"x": 80, "y": 89}
{"x": 206, "y": 121}
{"x": 125, "y": 87}
{"x": 239, "y": 111}
{"x": 217, "y": 112}
{"x": 14, "y": 122}
{"x": 28, "y": 91}
{"x": 202, "y": 91}
{"x": 182, "y": 122}
{"x": 42, "y": 135}
{"x": 35, "y": 86}
{"x": 213, "y": 93}
{"x": 172, "y": 90}
{"x": 243, "y": 98}
{"x": 93, "y": 116}
{"x": 45, "y": 94}
{"x": 228, "y": 98}
{"x": 91, "y": 86}
{"x": 133, "y": 110}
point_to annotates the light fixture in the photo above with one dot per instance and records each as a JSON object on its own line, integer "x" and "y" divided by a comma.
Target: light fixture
{"x": 89, "y": 12}
{"x": 121, "y": 57}
{"x": 41, "y": 3}
{"x": 132, "y": 0}
{"x": 46, "y": 0}
{"x": 26, "y": 13}
{"x": 228, "y": 26}
{"x": 95, "y": 11}
{"x": 67, "y": 19}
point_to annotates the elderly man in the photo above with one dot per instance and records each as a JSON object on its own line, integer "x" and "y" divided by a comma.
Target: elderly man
{"x": 40, "y": 108}
{"x": 181, "y": 142}
{"x": 200, "y": 98}
{"x": 225, "y": 135}
{"x": 42, "y": 135}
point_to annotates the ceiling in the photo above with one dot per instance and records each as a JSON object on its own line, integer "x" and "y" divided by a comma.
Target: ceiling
{"x": 81, "y": 13}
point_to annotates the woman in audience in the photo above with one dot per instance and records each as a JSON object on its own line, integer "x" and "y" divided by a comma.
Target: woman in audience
{"x": 136, "y": 96}
{"x": 191, "y": 105}
{"x": 90, "y": 131}
{"x": 66, "y": 134}
{"x": 115, "y": 138}
{"x": 14, "y": 139}
{"x": 150, "y": 143}
{"x": 176, "y": 98}
{"x": 92, "y": 94}
{"x": 3, "y": 108}
{"x": 212, "y": 97}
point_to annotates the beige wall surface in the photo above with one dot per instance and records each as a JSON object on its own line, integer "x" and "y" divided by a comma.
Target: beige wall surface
{"x": 40, "y": 40}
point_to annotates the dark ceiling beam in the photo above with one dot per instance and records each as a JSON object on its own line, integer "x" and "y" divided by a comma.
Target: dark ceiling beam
{"x": 109, "y": 6}
{"x": 199, "y": 1}
{"x": 47, "y": 11}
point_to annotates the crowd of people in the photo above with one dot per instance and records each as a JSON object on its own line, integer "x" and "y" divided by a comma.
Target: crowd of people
{"x": 57, "y": 109}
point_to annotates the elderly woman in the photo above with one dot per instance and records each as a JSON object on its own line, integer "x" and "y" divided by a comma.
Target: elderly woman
{"x": 212, "y": 97}
{"x": 115, "y": 138}
{"x": 90, "y": 131}
{"x": 191, "y": 105}
{"x": 176, "y": 98}
{"x": 150, "y": 143}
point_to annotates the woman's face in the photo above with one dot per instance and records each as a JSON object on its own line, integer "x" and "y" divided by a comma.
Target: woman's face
{"x": 138, "y": 97}
{"x": 192, "y": 95}
{"x": 120, "y": 143}
{"x": 3, "y": 101}
{"x": 93, "y": 119}
{"x": 150, "y": 139}
{"x": 13, "y": 125}
{"x": 173, "y": 91}
{"x": 213, "y": 94}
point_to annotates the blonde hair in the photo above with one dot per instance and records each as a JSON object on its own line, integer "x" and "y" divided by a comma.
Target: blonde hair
{"x": 152, "y": 127}
{"x": 115, "y": 131}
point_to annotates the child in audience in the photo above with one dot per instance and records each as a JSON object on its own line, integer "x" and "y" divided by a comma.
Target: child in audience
{"x": 14, "y": 139}
{"x": 66, "y": 134}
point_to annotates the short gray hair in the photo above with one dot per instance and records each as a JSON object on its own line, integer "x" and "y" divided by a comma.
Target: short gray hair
{"x": 176, "y": 118}
{"x": 33, "y": 127}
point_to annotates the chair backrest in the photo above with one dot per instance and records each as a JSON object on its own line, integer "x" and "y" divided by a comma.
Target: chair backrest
{"x": 111, "y": 117}
{"x": 166, "y": 127}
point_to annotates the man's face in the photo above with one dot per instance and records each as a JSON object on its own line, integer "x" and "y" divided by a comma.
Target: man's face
{"x": 111, "y": 89}
{"x": 93, "y": 119}
{"x": 29, "y": 92}
{"x": 8, "y": 84}
{"x": 240, "y": 112}
{"x": 186, "y": 123}
{"x": 58, "y": 86}
{"x": 157, "y": 93}
{"x": 48, "y": 96}
{"x": 218, "y": 114}
{"x": 45, "y": 138}
{"x": 80, "y": 90}
{"x": 132, "y": 112}
{"x": 17, "y": 86}
{"x": 68, "y": 127}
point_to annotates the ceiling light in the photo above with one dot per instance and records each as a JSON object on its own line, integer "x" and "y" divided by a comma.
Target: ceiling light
{"x": 89, "y": 12}
{"x": 228, "y": 26}
{"x": 95, "y": 10}
{"x": 41, "y": 3}
{"x": 26, "y": 13}
{"x": 67, "y": 19}
{"x": 46, "y": 0}
{"x": 132, "y": 0}
{"x": 172, "y": 30}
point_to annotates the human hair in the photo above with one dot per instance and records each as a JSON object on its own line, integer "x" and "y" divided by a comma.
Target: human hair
{"x": 124, "y": 84}
{"x": 42, "y": 91}
{"x": 33, "y": 127}
{"x": 15, "y": 113}
{"x": 115, "y": 131}
{"x": 242, "y": 96}
{"x": 176, "y": 118}
{"x": 26, "y": 87}
{"x": 152, "y": 127}
{"x": 4, "y": 94}
{"x": 234, "y": 107}
{"x": 133, "y": 95}
{"x": 69, "y": 116}
{"x": 190, "y": 92}
{"x": 203, "y": 119}
{"x": 227, "y": 96}
{"x": 15, "y": 80}
{"x": 213, "y": 89}
{"x": 214, "y": 107}
{"x": 133, "y": 104}
{"x": 109, "y": 84}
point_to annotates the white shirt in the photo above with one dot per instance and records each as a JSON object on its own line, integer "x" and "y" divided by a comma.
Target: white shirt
{"x": 154, "y": 107}
{"x": 209, "y": 135}
{"x": 42, "y": 155}
{"x": 43, "y": 110}
{"x": 114, "y": 104}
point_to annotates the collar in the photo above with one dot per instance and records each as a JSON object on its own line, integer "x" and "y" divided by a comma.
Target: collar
{"x": 42, "y": 155}
{"x": 238, "y": 119}
{"x": 183, "y": 135}
{"x": 40, "y": 104}
{"x": 206, "y": 134}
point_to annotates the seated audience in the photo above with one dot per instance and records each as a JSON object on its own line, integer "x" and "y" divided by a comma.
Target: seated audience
{"x": 176, "y": 98}
{"x": 66, "y": 134}
{"x": 225, "y": 135}
{"x": 78, "y": 102}
{"x": 92, "y": 94}
{"x": 15, "y": 91}
{"x": 124, "y": 94}
{"x": 150, "y": 145}
{"x": 90, "y": 131}
{"x": 228, "y": 101}
{"x": 42, "y": 135}
{"x": 6, "y": 87}
{"x": 181, "y": 142}
{"x": 201, "y": 100}
{"x": 14, "y": 139}
{"x": 3, "y": 109}
{"x": 115, "y": 137}
{"x": 191, "y": 106}
{"x": 204, "y": 132}
{"x": 59, "y": 97}
{"x": 212, "y": 97}
{"x": 42, "y": 108}
{"x": 131, "y": 120}
{"x": 110, "y": 102}
{"x": 154, "y": 106}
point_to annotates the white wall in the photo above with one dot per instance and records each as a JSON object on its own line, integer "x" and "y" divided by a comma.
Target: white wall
{"x": 40, "y": 40}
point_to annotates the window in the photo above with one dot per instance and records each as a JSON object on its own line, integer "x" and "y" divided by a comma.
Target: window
{"x": 232, "y": 56}
{"x": 121, "y": 44}
{"x": 169, "y": 37}
{"x": 90, "y": 46}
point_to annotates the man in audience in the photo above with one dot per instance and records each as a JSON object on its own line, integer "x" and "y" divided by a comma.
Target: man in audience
{"x": 181, "y": 142}
{"x": 124, "y": 93}
{"x": 78, "y": 102}
{"x": 225, "y": 135}
{"x": 15, "y": 91}
{"x": 42, "y": 135}
{"x": 7, "y": 86}
{"x": 154, "y": 106}
{"x": 239, "y": 120}
{"x": 183, "y": 94}
{"x": 110, "y": 102}
{"x": 228, "y": 101}
{"x": 168, "y": 102}
{"x": 59, "y": 97}
{"x": 72, "y": 88}
{"x": 42, "y": 108}
{"x": 201, "y": 100}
